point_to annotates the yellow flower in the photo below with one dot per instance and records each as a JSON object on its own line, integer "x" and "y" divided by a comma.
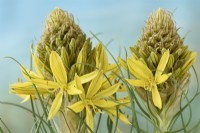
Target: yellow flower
{"x": 95, "y": 99}
{"x": 59, "y": 84}
{"x": 146, "y": 79}
{"x": 26, "y": 90}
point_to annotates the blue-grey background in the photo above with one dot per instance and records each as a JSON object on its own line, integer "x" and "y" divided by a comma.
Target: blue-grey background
{"x": 22, "y": 22}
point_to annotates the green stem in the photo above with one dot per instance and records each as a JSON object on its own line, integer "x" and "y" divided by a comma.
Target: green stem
{"x": 5, "y": 125}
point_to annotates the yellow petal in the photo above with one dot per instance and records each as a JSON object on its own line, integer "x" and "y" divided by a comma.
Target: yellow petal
{"x": 106, "y": 83}
{"x": 110, "y": 67}
{"x": 58, "y": 68}
{"x": 89, "y": 119}
{"x": 105, "y": 103}
{"x": 73, "y": 91}
{"x": 21, "y": 85}
{"x": 121, "y": 116}
{"x": 95, "y": 85}
{"x": 88, "y": 77}
{"x": 28, "y": 91}
{"x": 36, "y": 65}
{"x": 79, "y": 86}
{"x": 139, "y": 69}
{"x": 107, "y": 92}
{"x": 77, "y": 107}
{"x": 123, "y": 102}
{"x": 113, "y": 74}
{"x": 84, "y": 79}
{"x": 156, "y": 97}
{"x": 55, "y": 105}
{"x": 25, "y": 98}
{"x": 138, "y": 83}
{"x": 162, "y": 64}
{"x": 122, "y": 63}
{"x": 28, "y": 74}
{"x": 163, "y": 78}
{"x": 45, "y": 83}
{"x": 103, "y": 57}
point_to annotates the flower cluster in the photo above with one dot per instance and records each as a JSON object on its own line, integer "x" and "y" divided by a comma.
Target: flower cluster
{"x": 74, "y": 76}
{"x": 78, "y": 79}
{"x": 160, "y": 63}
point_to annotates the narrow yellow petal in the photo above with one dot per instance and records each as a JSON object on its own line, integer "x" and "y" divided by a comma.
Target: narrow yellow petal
{"x": 107, "y": 92}
{"x": 36, "y": 65}
{"x": 139, "y": 69}
{"x": 77, "y": 107}
{"x": 103, "y": 57}
{"x": 156, "y": 97}
{"x": 89, "y": 119}
{"x": 163, "y": 78}
{"x": 162, "y": 64}
{"x": 28, "y": 91}
{"x": 45, "y": 83}
{"x": 105, "y": 103}
{"x": 84, "y": 79}
{"x": 95, "y": 85}
{"x": 55, "y": 105}
{"x": 58, "y": 68}
{"x": 106, "y": 83}
{"x": 138, "y": 83}
{"x": 21, "y": 85}
{"x": 73, "y": 91}
{"x": 79, "y": 86}
{"x": 123, "y": 102}
{"x": 122, "y": 63}
{"x": 24, "y": 97}
{"x": 110, "y": 67}
{"x": 113, "y": 74}
{"x": 121, "y": 116}
{"x": 97, "y": 60}
{"x": 88, "y": 77}
{"x": 28, "y": 74}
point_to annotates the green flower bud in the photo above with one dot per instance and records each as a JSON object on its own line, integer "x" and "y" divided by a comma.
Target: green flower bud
{"x": 63, "y": 35}
{"x": 154, "y": 58}
{"x": 170, "y": 62}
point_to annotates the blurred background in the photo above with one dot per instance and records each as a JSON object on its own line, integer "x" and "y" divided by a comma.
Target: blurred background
{"x": 22, "y": 23}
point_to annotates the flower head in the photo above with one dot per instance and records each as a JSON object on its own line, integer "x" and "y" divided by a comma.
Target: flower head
{"x": 95, "y": 99}
{"x": 63, "y": 35}
{"x": 58, "y": 85}
{"x": 146, "y": 79}
{"x": 160, "y": 50}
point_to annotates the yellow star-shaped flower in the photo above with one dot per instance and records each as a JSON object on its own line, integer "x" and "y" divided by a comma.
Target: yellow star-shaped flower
{"x": 145, "y": 77}
{"x": 26, "y": 89}
{"x": 96, "y": 99}
{"x": 58, "y": 85}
